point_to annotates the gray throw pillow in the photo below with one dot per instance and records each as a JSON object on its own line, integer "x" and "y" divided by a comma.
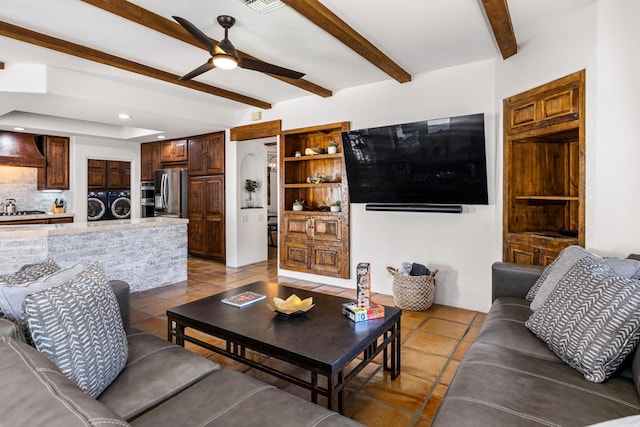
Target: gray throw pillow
{"x": 79, "y": 327}
{"x": 591, "y": 320}
{"x": 30, "y": 272}
{"x": 552, "y": 274}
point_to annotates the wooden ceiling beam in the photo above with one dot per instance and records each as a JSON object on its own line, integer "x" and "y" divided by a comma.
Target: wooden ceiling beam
{"x": 69, "y": 48}
{"x": 320, "y": 15}
{"x": 500, "y": 19}
{"x": 146, "y": 18}
{"x": 1, "y": 65}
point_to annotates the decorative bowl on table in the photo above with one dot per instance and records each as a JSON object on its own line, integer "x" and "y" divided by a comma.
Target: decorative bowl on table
{"x": 292, "y": 306}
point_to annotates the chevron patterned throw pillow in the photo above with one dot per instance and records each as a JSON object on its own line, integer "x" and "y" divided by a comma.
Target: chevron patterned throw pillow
{"x": 591, "y": 320}
{"x": 79, "y": 327}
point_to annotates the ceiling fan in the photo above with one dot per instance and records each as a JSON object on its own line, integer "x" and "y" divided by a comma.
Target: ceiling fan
{"x": 224, "y": 54}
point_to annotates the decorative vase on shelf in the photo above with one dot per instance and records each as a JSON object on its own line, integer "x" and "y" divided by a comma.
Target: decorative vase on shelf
{"x": 332, "y": 149}
{"x": 250, "y": 201}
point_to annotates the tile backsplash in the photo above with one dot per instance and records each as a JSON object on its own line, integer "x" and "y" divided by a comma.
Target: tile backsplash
{"x": 22, "y": 184}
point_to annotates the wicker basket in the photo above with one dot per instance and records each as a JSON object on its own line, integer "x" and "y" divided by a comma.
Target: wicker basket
{"x": 413, "y": 293}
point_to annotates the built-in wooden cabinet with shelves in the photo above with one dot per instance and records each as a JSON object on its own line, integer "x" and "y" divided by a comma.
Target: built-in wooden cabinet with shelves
{"x": 96, "y": 174}
{"x": 206, "y": 154}
{"x": 108, "y": 174}
{"x": 55, "y": 175}
{"x": 544, "y": 171}
{"x": 149, "y": 160}
{"x": 314, "y": 240}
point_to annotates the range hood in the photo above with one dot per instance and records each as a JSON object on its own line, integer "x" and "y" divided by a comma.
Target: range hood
{"x": 19, "y": 149}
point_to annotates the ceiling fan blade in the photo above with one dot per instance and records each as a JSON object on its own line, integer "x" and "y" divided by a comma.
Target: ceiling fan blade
{"x": 201, "y": 69}
{"x": 195, "y": 32}
{"x": 265, "y": 67}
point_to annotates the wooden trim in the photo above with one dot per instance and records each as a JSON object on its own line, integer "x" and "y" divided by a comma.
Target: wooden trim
{"x": 255, "y": 131}
{"x": 69, "y": 48}
{"x": 320, "y": 15}
{"x": 1, "y": 65}
{"x": 343, "y": 126}
{"x": 500, "y": 20}
{"x": 146, "y": 18}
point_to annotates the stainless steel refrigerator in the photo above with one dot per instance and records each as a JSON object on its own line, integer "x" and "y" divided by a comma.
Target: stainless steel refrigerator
{"x": 171, "y": 192}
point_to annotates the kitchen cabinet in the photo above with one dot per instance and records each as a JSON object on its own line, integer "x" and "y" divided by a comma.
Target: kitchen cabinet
{"x": 206, "y": 154}
{"x": 544, "y": 171}
{"x": 314, "y": 240}
{"x": 55, "y": 175}
{"x": 149, "y": 160}
{"x": 96, "y": 174}
{"x": 206, "y": 216}
{"x": 173, "y": 152}
{"x": 61, "y": 220}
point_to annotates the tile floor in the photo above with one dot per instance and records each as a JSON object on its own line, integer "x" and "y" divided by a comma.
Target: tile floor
{"x": 434, "y": 342}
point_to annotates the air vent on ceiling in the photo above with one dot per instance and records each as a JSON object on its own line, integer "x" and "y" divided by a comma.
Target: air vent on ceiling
{"x": 263, "y": 6}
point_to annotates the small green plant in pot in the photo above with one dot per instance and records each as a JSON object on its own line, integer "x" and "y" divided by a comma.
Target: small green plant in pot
{"x": 250, "y": 185}
{"x": 298, "y": 205}
{"x": 332, "y": 148}
{"x": 335, "y": 206}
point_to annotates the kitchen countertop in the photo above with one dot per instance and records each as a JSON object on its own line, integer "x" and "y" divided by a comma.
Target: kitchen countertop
{"x": 84, "y": 227}
{"x": 48, "y": 215}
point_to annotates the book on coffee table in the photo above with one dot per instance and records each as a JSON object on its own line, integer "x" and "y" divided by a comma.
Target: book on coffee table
{"x": 244, "y": 299}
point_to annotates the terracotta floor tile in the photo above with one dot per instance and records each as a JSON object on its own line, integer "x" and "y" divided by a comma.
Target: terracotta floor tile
{"x": 455, "y": 314}
{"x": 152, "y": 325}
{"x": 420, "y": 364}
{"x": 376, "y": 413}
{"x": 479, "y": 319}
{"x": 434, "y": 401}
{"x": 137, "y": 316}
{"x": 413, "y": 319}
{"x": 445, "y": 328}
{"x": 471, "y": 334}
{"x": 422, "y": 422}
{"x": 431, "y": 343}
{"x": 449, "y": 372}
{"x": 406, "y": 391}
{"x": 159, "y": 308}
{"x": 461, "y": 350}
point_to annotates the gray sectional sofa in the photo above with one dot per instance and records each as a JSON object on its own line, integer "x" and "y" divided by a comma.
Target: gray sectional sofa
{"x": 162, "y": 384}
{"x": 509, "y": 377}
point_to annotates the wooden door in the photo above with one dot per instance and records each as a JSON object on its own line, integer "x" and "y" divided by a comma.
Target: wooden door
{"x": 196, "y": 157}
{"x": 115, "y": 175}
{"x": 149, "y": 160}
{"x": 55, "y": 175}
{"x": 295, "y": 255}
{"x": 197, "y": 220}
{"x": 214, "y": 154}
{"x": 96, "y": 174}
{"x": 326, "y": 259}
{"x": 214, "y": 209}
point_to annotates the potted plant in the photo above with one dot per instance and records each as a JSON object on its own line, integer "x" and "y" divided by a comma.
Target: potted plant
{"x": 298, "y": 204}
{"x": 251, "y": 185}
{"x": 333, "y": 147}
{"x": 335, "y": 206}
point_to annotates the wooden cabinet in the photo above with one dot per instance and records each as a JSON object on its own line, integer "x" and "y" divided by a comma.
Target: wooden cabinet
{"x": 63, "y": 220}
{"x": 149, "y": 160}
{"x": 173, "y": 151}
{"x": 206, "y": 154}
{"x": 55, "y": 175}
{"x": 206, "y": 216}
{"x": 108, "y": 175}
{"x": 544, "y": 171}
{"x": 314, "y": 240}
{"x": 96, "y": 174}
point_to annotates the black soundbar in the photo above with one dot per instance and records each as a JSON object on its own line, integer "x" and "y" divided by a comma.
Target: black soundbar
{"x": 413, "y": 207}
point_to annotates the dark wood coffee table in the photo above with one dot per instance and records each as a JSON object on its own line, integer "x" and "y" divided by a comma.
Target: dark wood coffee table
{"x": 321, "y": 341}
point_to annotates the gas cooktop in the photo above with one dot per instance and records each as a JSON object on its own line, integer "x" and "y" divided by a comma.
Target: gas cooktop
{"x": 23, "y": 213}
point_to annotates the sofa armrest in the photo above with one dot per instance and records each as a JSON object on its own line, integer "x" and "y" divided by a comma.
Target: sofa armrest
{"x": 121, "y": 289}
{"x": 513, "y": 280}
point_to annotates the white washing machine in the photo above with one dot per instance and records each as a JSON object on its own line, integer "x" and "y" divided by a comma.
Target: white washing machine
{"x": 119, "y": 204}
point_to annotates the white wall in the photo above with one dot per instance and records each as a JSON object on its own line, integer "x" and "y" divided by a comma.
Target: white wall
{"x": 84, "y": 148}
{"x": 461, "y": 246}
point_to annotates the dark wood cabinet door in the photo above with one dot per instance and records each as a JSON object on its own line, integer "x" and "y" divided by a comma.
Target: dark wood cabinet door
{"x": 114, "y": 175}
{"x": 196, "y": 157}
{"x": 326, "y": 259}
{"x": 55, "y": 175}
{"x": 295, "y": 255}
{"x": 206, "y": 216}
{"x": 180, "y": 150}
{"x": 149, "y": 160}
{"x": 96, "y": 174}
{"x": 214, "y": 153}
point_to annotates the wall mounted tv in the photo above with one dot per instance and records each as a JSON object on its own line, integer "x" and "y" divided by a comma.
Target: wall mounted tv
{"x": 440, "y": 161}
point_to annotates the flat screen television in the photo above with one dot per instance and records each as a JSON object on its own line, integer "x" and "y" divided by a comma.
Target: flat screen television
{"x": 440, "y": 161}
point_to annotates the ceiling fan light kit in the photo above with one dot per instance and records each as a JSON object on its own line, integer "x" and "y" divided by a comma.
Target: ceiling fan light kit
{"x": 224, "y": 55}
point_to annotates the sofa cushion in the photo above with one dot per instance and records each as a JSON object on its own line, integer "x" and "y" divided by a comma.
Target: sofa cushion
{"x": 79, "y": 327}
{"x": 552, "y": 274}
{"x": 497, "y": 386}
{"x": 35, "y": 393}
{"x": 591, "y": 320}
{"x": 155, "y": 371}
{"x": 229, "y": 398}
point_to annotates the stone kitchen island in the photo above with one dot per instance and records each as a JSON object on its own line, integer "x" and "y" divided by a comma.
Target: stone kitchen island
{"x": 145, "y": 252}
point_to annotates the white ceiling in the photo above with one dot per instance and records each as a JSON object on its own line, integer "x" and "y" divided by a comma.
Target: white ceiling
{"x": 84, "y": 98}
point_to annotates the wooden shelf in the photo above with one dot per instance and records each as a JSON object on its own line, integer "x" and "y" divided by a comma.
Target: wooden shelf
{"x": 313, "y": 157}
{"x": 320, "y": 185}
{"x": 549, "y": 198}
